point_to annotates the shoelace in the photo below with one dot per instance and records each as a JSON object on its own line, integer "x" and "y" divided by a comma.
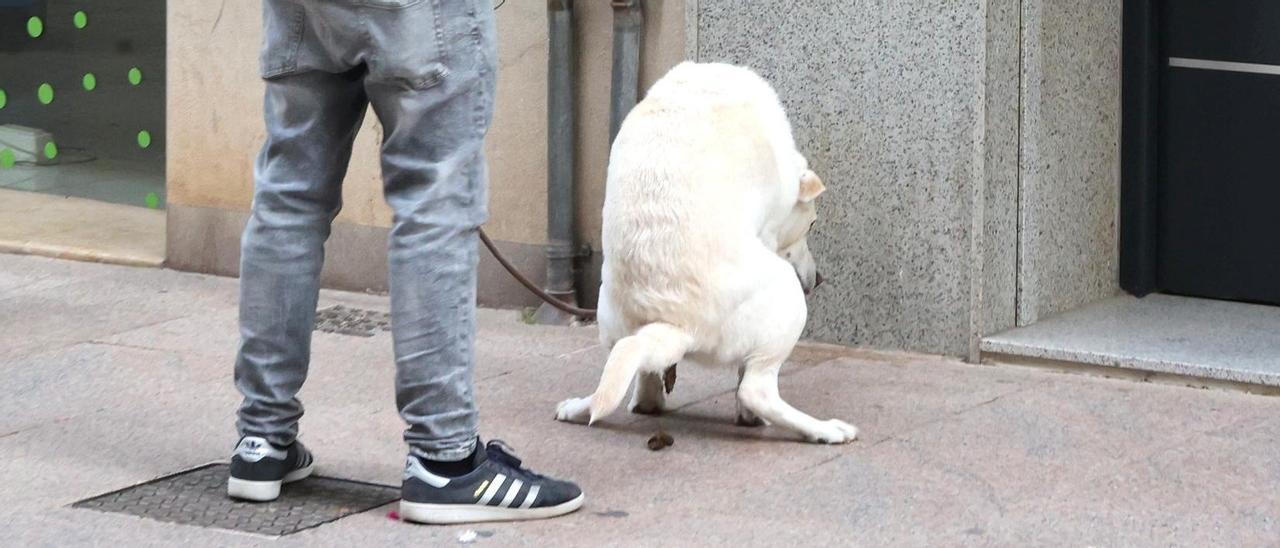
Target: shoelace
{"x": 500, "y": 452}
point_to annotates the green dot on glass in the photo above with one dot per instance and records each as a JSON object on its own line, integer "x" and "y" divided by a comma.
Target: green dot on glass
{"x": 7, "y": 159}
{"x": 4, "y": 98}
{"x": 50, "y": 150}
{"x": 90, "y": 81}
{"x": 135, "y": 76}
{"x": 45, "y": 94}
{"x": 81, "y": 19}
{"x": 35, "y": 27}
{"x": 144, "y": 138}
{"x": 153, "y": 200}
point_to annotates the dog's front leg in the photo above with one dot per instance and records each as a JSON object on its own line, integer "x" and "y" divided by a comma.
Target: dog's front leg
{"x": 759, "y": 392}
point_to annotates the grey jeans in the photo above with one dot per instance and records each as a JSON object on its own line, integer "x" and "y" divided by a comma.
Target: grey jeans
{"x": 428, "y": 69}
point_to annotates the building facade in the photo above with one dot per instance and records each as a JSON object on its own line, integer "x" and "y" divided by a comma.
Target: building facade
{"x": 979, "y": 179}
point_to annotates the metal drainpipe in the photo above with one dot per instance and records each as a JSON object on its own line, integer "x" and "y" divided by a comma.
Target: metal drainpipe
{"x": 628, "y": 30}
{"x": 560, "y": 162}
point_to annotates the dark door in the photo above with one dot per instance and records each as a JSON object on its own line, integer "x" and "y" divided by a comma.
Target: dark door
{"x": 1217, "y": 189}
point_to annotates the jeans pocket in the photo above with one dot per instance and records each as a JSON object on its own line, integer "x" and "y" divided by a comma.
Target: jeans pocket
{"x": 410, "y": 44}
{"x": 283, "y": 25}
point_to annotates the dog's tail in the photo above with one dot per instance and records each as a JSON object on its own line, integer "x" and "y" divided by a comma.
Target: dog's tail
{"x": 652, "y": 349}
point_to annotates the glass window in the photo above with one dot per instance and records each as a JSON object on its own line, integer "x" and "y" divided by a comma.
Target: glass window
{"x": 82, "y": 99}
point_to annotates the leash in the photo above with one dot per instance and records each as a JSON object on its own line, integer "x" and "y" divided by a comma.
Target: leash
{"x": 587, "y": 313}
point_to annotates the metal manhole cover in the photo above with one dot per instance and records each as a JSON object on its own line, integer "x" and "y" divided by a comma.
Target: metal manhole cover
{"x": 199, "y": 497}
{"x": 345, "y": 320}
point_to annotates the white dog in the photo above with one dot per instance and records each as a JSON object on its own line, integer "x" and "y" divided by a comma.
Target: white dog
{"x": 707, "y": 209}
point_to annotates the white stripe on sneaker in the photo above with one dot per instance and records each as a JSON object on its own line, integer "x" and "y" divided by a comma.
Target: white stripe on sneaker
{"x": 492, "y": 490}
{"x": 533, "y": 494}
{"x": 511, "y": 494}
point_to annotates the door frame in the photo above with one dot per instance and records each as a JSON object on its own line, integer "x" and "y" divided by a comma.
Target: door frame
{"x": 1141, "y": 52}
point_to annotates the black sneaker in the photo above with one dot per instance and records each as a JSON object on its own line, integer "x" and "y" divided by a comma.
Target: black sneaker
{"x": 259, "y": 468}
{"x": 497, "y": 490}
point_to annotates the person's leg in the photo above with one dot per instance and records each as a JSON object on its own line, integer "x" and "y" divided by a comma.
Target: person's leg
{"x": 435, "y": 100}
{"x": 431, "y": 82}
{"x": 311, "y": 120}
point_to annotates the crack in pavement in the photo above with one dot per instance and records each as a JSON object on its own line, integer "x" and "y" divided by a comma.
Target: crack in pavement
{"x": 52, "y": 422}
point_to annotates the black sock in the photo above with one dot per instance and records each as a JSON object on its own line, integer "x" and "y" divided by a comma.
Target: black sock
{"x": 454, "y": 468}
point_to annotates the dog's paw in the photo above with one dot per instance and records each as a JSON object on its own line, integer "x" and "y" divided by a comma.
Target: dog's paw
{"x": 575, "y": 410}
{"x": 835, "y": 432}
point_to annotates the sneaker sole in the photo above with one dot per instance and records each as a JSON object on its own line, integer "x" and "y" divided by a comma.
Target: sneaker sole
{"x": 446, "y": 514}
{"x": 264, "y": 491}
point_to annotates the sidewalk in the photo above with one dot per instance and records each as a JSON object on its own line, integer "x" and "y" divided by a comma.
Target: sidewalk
{"x": 114, "y": 376}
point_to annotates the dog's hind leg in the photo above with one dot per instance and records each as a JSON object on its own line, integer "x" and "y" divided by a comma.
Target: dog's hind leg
{"x": 651, "y": 349}
{"x": 575, "y": 410}
{"x": 758, "y": 391}
{"x": 745, "y": 416}
{"x": 649, "y": 395}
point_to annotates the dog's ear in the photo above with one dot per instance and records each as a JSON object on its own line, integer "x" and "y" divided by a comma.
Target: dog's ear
{"x": 810, "y": 186}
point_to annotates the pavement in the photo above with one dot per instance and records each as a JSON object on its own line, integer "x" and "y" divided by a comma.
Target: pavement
{"x": 112, "y": 376}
